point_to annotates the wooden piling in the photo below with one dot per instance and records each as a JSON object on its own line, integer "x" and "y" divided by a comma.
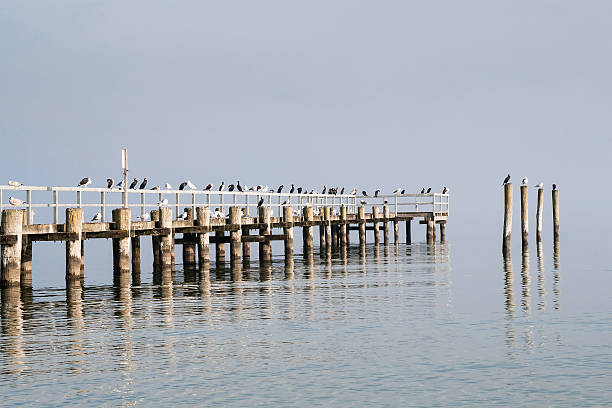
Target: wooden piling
{"x": 165, "y": 241}
{"x": 203, "y": 220}
{"x": 307, "y": 234}
{"x": 507, "y": 218}
{"x": 12, "y": 223}
{"x": 328, "y": 229}
{"x": 362, "y": 225}
{"x": 26, "y": 257}
{"x": 265, "y": 246}
{"x": 155, "y": 240}
{"x": 539, "y": 212}
{"x": 555, "y": 208}
{"x": 288, "y": 232}
{"x": 525, "y": 216}
{"x": 246, "y": 246}
{"x": 375, "y": 216}
{"x": 386, "y": 224}
{"x": 235, "y": 217}
{"x": 189, "y": 243}
{"x": 395, "y": 230}
{"x": 409, "y": 231}
{"x": 322, "y": 242}
{"x": 343, "y": 227}
{"x": 121, "y": 222}
{"x": 135, "y": 255}
{"x": 442, "y": 232}
{"x": 74, "y": 224}
{"x": 430, "y": 230}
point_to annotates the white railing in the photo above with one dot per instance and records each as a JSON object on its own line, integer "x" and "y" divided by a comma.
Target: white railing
{"x": 144, "y": 200}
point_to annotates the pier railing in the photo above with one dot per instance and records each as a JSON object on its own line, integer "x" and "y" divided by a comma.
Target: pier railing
{"x": 55, "y": 198}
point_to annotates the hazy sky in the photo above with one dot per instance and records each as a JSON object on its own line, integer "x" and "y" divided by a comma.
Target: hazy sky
{"x": 366, "y": 94}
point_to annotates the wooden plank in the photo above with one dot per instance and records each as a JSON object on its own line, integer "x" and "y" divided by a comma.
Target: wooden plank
{"x": 40, "y": 228}
{"x": 117, "y": 234}
{"x": 8, "y": 239}
{"x": 156, "y": 232}
{"x": 55, "y": 236}
{"x": 96, "y": 226}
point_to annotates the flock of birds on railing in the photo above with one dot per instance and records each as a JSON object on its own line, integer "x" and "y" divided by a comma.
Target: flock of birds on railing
{"x": 525, "y": 182}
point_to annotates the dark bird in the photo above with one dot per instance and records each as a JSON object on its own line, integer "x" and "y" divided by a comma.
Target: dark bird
{"x": 423, "y": 190}
{"x": 324, "y": 190}
{"x": 230, "y": 187}
{"x": 222, "y": 186}
{"x": 507, "y": 179}
{"x": 143, "y": 184}
{"x": 363, "y": 193}
{"x": 445, "y": 190}
{"x": 280, "y": 188}
{"x": 342, "y": 191}
{"x": 134, "y": 182}
{"x": 554, "y": 187}
{"x": 292, "y": 189}
{"x": 376, "y": 193}
{"x": 403, "y": 191}
{"x": 156, "y": 188}
{"x": 299, "y": 190}
{"x": 208, "y": 187}
{"x": 84, "y": 182}
{"x": 285, "y": 202}
{"x": 238, "y": 186}
{"x": 183, "y": 185}
{"x": 260, "y": 203}
{"x": 109, "y": 183}
{"x": 428, "y": 190}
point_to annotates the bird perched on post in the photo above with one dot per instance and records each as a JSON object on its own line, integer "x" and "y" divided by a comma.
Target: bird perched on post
{"x": 155, "y": 188}
{"x": 230, "y": 187}
{"x": 134, "y": 182}
{"x": 162, "y": 203}
{"x": 143, "y": 184}
{"x": 280, "y": 188}
{"x": 182, "y": 185}
{"x": 168, "y": 186}
{"x": 554, "y": 187}
{"x": 363, "y": 193}
{"x": 97, "y": 217}
{"x": 15, "y": 201}
{"x": 109, "y": 183}
{"x": 507, "y": 179}
{"x": 84, "y": 182}
{"x": 299, "y": 190}
{"x": 445, "y": 190}
{"x": 403, "y": 191}
{"x": 423, "y": 190}
{"x": 191, "y": 185}
{"x": 539, "y": 185}
{"x": 342, "y": 191}
{"x": 376, "y": 193}
{"x": 260, "y": 203}
{"x": 14, "y": 183}
{"x": 525, "y": 181}
{"x": 397, "y": 190}
{"x": 428, "y": 190}
{"x": 208, "y": 187}
{"x": 239, "y": 187}
{"x": 324, "y": 190}
{"x": 292, "y": 189}
{"x": 354, "y": 191}
{"x": 119, "y": 184}
{"x": 222, "y": 186}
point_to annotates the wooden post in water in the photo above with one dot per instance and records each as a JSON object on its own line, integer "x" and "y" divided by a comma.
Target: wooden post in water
{"x": 155, "y": 240}
{"x": 539, "y": 214}
{"x": 409, "y": 231}
{"x": 288, "y": 231}
{"x": 220, "y": 247}
{"x": 322, "y": 242}
{"x": 442, "y": 232}
{"x": 307, "y": 235}
{"x": 265, "y": 246}
{"x": 74, "y": 224}
{"x": 121, "y": 222}
{"x": 343, "y": 227}
{"x": 555, "y": 208}
{"x": 328, "y": 229}
{"x": 203, "y": 218}
{"x": 189, "y": 243}
{"x": 235, "y": 218}
{"x": 386, "y": 224}
{"x": 135, "y": 255}
{"x": 431, "y": 228}
{"x": 525, "y": 217}
{"x": 165, "y": 241}
{"x": 12, "y": 223}
{"x": 507, "y": 218}
{"x": 246, "y": 246}
{"x": 395, "y": 230}
{"x": 375, "y": 224}
{"x": 362, "y": 225}
{"x": 26, "y": 257}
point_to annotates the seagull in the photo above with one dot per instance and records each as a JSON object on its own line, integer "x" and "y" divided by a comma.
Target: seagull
{"x": 109, "y": 183}
{"x": 15, "y": 201}
{"x": 222, "y": 186}
{"x": 354, "y": 191}
{"x": 156, "y": 188}
{"x": 145, "y": 217}
{"x": 14, "y": 183}
{"x": 97, "y": 217}
{"x": 134, "y": 182}
{"x": 84, "y": 182}
{"x": 183, "y": 185}
{"x": 183, "y": 216}
{"x": 167, "y": 186}
{"x": 363, "y": 202}
{"x": 376, "y": 193}
{"x": 363, "y": 193}
{"x": 423, "y": 190}
{"x": 507, "y": 179}
{"x": 163, "y": 203}
{"x": 397, "y": 190}
{"x": 143, "y": 184}
{"x": 280, "y": 188}
{"x": 265, "y": 188}
{"x": 554, "y": 186}
{"x": 525, "y": 181}
{"x": 445, "y": 190}
{"x": 208, "y": 187}
{"x": 292, "y": 189}
{"x": 191, "y": 185}
{"x": 239, "y": 187}
{"x": 429, "y": 190}
{"x": 260, "y": 203}
{"x": 218, "y": 214}
{"x": 539, "y": 185}
{"x": 230, "y": 187}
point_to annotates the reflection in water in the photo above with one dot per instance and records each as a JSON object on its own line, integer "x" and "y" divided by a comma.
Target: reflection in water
{"x": 74, "y": 306}
{"x": 556, "y": 276}
{"x": 508, "y": 286}
{"x": 541, "y": 279}
{"x": 12, "y": 331}
{"x": 525, "y": 281}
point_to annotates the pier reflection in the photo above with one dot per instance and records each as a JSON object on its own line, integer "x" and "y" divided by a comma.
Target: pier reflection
{"x": 12, "y": 331}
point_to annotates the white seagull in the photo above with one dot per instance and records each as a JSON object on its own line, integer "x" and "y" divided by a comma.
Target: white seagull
{"x": 163, "y": 203}
{"x": 191, "y": 185}
{"x": 218, "y": 214}
{"x": 539, "y": 185}
{"x": 525, "y": 181}
{"x": 145, "y": 217}
{"x": 15, "y": 201}
{"x": 183, "y": 216}
{"x": 397, "y": 190}
{"x": 168, "y": 186}
{"x": 97, "y": 217}
{"x": 14, "y": 183}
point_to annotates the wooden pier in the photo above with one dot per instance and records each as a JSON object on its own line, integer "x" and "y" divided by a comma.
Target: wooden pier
{"x": 211, "y": 217}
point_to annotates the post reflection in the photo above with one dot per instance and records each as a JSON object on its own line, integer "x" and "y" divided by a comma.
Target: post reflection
{"x": 556, "y": 276}
{"x": 74, "y": 306}
{"x": 541, "y": 278}
{"x": 525, "y": 282}
{"x": 12, "y": 330}
{"x": 508, "y": 286}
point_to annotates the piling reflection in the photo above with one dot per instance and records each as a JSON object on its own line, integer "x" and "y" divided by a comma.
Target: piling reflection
{"x": 74, "y": 306}
{"x": 541, "y": 278}
{"x": 12, "y": 331}
{"x": 556, "y": 276}
{"x": 525, "y": 281}
{"x": 508, "y": 286}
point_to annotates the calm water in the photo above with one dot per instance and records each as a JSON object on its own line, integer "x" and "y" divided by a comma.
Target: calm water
{"x": 446, "y": 325}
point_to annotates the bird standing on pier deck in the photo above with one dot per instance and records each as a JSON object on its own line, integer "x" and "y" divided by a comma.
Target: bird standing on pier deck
{"x": 143, "y": 184}
{"x": 363, "y": 193}
{"x": 208, "y": 187}
{"x": 134, "y": 182}
{"x": 354, "y": 191}
{"x": 144, "y": 217}
{"x": 507, "y": 179}
{"x": 230, "y": 187}
{"x": 376, "y": 193}
{"x": 423, "y": 190}
{"x": 429, "y": 190}
{"x": 445, "y": 190}
{"x": 292, "y": 189}
{"x": 363, "y": 202}
{"x": 97, "y": 217}
{"x": 324, "y": 190}
{"x": 183, "y": 216}
{"x": 397, "y": 190}
{"x": 525, "y": 181}
{"x": 163, "y": 203}
{"x": 299, "y": 190}
{"x": 260, "y": 203}
{"x": 168, "y": 186}
{"x": 191, "y": 185}
{"x": 156, "y": 188}
{"x": 183, "y": 185}
{"x": 280, "y": 188}
{"x": 554, "y": 187}
{"x": 84, "y": 182}
{"x": 539, "y": 185}
{"x": 15, "y": 201}
{"x": 14, "y": 183}
{"x": 222, "y": 186}
{"x": 239, "y": 187}
{"x": 109, "y": 183}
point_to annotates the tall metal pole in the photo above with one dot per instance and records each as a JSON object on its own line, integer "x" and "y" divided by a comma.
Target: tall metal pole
{"x": 124, "y": 164}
